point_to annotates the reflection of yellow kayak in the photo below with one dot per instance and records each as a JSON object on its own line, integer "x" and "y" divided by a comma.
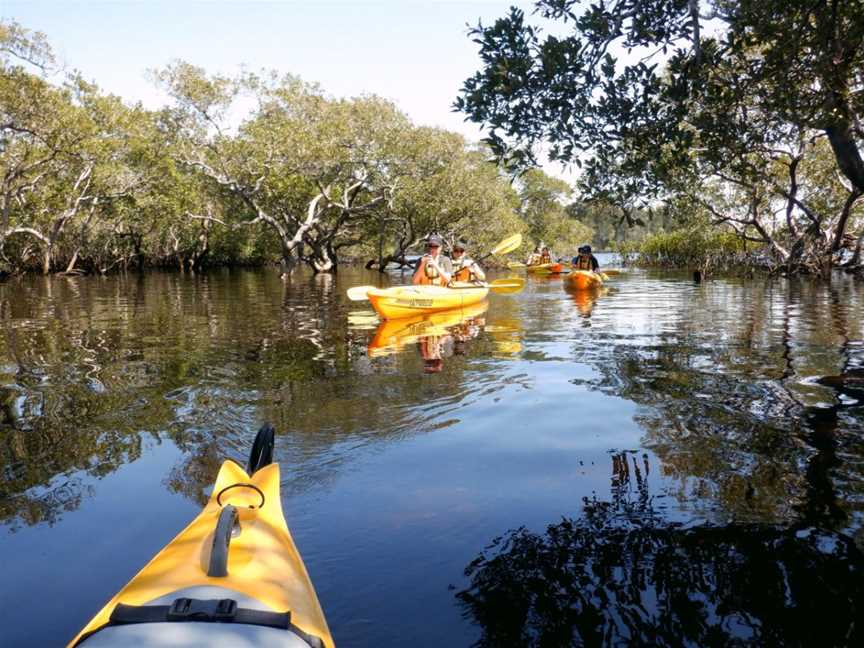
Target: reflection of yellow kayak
{"x": 233, "y": 577}
{"x": 394, "y": 333}
{"x": 407, "y": 301}
{"x": 586, "y": 298}
{"x": 584, "y": 280}
{"x": 546, "y": 268}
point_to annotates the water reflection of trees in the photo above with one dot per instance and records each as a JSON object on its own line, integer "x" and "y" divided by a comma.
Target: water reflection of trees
{"x": 90, "y": 368}
{"x": 623, "y": 575}
{"x": 735, "y": 406}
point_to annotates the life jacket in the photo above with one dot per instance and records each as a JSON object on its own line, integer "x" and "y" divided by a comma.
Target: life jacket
{"x": 533, "y": 259}
{"x": 583, "y": 262}
{"x": 545, "y": 257}
{"x": 463, "y": 269}
{"x": 431, "y": 276}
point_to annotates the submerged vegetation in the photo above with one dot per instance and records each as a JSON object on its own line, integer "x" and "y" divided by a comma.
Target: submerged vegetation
{"x": 693, "y": 247}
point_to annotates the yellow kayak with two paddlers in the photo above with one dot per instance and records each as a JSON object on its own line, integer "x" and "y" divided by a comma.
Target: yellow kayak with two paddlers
{"x": 410, "y": 301}
{"x": 233, "y": 578}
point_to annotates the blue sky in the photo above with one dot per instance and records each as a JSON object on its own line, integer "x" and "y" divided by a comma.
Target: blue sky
{"x": 415, "y": 53}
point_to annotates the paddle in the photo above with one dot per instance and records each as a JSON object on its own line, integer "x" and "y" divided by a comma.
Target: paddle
{"x": 507, "y": 245}
{"x": 507, "y": 286}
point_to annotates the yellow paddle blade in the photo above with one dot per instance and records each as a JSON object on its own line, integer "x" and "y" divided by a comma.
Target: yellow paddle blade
{"x": 359, "y": 293}
{"x": 612, "y": 272}
{"x": 515, "y": 265}
{"x": 508, "y": 245}
{"x": 507, "y": 286}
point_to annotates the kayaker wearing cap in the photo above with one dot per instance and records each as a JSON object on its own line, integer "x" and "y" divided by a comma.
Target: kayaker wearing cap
{"x": 465, "y": 268}
{"x": 434, "y": 269}
{"x": 585, "y": 260}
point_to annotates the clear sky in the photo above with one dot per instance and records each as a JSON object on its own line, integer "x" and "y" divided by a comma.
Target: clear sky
{"x": 414, "y": 52}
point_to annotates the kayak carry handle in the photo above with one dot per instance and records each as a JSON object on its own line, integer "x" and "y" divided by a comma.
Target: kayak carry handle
{"x": 218, "y": 567}
{"x": 262, "y": 449}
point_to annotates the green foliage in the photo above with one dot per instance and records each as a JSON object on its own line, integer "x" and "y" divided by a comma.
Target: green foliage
{"x": 694, "y": 246}
{"x": 740, "y": 106}
{"x": 242, "y": 169}
{"x": 542, "y": 201}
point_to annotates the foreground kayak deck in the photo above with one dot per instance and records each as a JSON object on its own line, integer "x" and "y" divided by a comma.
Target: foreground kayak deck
{"x": 242, "y": 531}
{"x": 408, "y": 301}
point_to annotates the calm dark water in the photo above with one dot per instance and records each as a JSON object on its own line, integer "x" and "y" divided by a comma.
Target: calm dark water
{"x": 662, "y": 462}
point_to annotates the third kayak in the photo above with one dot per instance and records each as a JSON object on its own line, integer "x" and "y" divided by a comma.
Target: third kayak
{"x": 584, "y": 279}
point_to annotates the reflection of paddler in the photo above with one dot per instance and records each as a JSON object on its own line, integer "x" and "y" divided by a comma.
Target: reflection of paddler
{"x": 393, "y": 334}
{"x": 467, "y": 330}
{"x": 585, "y": 299}
{"x": 430, "y": 350}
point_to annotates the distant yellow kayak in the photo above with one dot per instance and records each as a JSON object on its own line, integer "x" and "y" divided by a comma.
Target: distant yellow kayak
{"x": 546, "y": 268}
{"x": 233, "y": 577}
{"x": 584, "y": 279}
{"x": 408, "y": 301}
{"x": 393, "y": 334}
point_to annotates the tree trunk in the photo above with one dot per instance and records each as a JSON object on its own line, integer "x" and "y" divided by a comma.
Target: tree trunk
{"x": 46, "y": 260}
{"x": 71, "y": 266}
{"x": 847, "y": 154}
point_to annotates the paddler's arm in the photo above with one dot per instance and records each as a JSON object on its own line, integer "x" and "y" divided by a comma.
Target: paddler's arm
{"x": 442, "y": 268}
{"x": 478, "y": 271}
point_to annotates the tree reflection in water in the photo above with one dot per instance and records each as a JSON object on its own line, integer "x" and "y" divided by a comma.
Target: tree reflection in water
{"x": 623, "y": 575}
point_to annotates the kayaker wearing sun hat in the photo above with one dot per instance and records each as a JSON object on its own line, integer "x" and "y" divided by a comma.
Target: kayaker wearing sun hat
{"x": 465, "y": 268}
{"x": 585, "y": 260}
{"x": 434, "y": 269}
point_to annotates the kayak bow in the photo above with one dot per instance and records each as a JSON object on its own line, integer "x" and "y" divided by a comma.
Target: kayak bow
{"x": 233, "y": 577}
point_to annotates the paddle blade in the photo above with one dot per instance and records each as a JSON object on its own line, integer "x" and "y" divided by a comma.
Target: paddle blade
{"x": 359, "y": 293}
{"x": 612, "y": 272}
{"x": 508, "y": 245}
{"x": 515, "y": 265}
{"x": 507, "y": 286}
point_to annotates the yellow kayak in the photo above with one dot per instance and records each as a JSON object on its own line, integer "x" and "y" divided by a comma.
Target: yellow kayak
{"x": 407, "y": 301}
{"x": 393, "y": 334}
{"x": 546, "y": 268}
{"x": 233, "y": 577}
{"x": 584, "y": 280}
